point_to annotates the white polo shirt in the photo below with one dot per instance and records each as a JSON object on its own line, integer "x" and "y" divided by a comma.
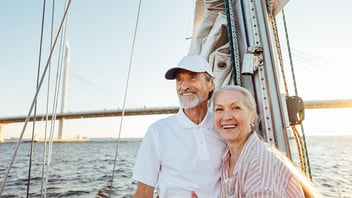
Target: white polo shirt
{"x": 180, "y": 156}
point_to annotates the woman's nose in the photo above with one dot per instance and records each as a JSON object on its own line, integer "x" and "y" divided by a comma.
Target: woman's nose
{"x": 227, "y": 115}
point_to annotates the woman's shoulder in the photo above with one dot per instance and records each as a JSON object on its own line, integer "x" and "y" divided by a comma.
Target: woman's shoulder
{"x": 266, "y": 158}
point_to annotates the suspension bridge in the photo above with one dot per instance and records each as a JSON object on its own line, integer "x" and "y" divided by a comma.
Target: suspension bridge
{"x": 317, "y": 104}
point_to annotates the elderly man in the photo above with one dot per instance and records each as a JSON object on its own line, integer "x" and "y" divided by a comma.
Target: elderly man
{"x": 181, "y": 154}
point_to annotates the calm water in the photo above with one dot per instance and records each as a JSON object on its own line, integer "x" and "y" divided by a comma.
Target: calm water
{"x": 85, "y": 169}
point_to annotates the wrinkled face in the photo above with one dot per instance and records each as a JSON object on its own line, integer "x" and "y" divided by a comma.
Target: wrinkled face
{"x": 231, "y": 116}
{"x": 192, "y": 88}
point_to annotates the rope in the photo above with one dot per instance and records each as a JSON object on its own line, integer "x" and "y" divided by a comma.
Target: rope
{"x": 300, "y": 149}
{"x": 281, "y": 61}
{"x": 289, "y": 53}
{"x": 301, "y": 154}
{"x": 33, "y": 102}
{"x": 124, "y": 99}
{"x": 296, "y": 92}
{"x": 232, "y": 34}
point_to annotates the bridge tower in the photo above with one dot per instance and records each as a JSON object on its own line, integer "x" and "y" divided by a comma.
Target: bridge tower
{"x": 2, "y": 139}
{"x": 64, "y": 88}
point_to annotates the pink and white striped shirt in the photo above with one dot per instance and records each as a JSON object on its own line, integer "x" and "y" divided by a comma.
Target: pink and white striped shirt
{"x": 259, "y": 172}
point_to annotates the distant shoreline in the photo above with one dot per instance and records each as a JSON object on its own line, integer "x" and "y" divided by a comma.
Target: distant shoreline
{"x": 72, "y": 140}
{"x": 138, "y": 139}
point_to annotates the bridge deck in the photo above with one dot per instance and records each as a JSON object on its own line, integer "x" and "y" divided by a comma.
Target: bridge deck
{"x": 321, "y": 104}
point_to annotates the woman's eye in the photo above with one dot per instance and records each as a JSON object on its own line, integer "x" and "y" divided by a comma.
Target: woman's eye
{"x": 218, "y": 109}
{"x": 236, "y": 108}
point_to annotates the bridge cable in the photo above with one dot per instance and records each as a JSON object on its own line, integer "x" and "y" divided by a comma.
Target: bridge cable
{"x": 125, "y": 96}
{"x": 33, "y": 102}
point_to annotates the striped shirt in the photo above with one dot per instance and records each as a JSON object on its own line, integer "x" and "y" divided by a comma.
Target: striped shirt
{"x": 259, "y": 172}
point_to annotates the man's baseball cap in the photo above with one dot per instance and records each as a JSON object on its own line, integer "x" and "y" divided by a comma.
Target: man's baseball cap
{"x": 193, "y": 63}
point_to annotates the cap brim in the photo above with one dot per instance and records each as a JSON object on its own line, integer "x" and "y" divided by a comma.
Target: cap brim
{"x": 171, "y": 73}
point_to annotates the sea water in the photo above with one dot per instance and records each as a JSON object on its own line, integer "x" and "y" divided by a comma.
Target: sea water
{"x": 84, "y": 169}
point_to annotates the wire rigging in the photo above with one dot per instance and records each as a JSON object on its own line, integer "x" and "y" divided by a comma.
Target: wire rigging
{"x": 47, "y": 105}
{"x": 35, "y": 105}
{"x": 55, "y": 105}
{"x": 33, "y": 102}
{"x": 125, "y": 96}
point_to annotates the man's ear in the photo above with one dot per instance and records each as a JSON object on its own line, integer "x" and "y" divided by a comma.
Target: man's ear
{"x": 211, "y": 85}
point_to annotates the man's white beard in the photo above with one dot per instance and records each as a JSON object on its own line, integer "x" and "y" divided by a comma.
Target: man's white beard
{"x": 187, "y": 104}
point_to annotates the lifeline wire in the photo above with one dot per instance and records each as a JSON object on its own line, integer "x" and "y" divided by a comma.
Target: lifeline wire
{"x": 33, "y": 102}
{"x": 124, "y": 99}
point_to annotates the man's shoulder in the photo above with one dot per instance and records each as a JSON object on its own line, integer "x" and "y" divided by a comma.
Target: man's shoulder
{"x": 164, "y": 121}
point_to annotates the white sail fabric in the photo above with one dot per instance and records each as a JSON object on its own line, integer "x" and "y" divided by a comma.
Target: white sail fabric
{"x": 210, "y": 39}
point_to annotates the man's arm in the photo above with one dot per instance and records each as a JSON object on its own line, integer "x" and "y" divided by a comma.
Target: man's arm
{"x": 144, "y": 191}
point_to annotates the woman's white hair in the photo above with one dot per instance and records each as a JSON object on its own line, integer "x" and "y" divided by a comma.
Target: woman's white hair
{"x": 249, "y": 101}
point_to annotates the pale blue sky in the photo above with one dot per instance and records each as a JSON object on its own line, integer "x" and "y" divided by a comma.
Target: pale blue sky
{"x": 100, "y": 35}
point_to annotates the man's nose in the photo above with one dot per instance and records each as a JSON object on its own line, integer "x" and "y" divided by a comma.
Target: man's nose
{"x": 184, "y": 84}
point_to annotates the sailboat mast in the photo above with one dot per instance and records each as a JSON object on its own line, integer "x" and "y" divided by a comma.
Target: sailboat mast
{"x": 240, "y": 41}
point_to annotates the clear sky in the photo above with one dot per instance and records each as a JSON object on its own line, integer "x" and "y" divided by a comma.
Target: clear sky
{"x": 100, "y": 34}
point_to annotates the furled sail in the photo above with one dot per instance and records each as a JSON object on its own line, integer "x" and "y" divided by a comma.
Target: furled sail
{"x": 240, "y": 40}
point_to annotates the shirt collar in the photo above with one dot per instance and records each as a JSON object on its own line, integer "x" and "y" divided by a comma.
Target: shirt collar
{"x": 207, "y": 122}
{"x": 249, "y": 143}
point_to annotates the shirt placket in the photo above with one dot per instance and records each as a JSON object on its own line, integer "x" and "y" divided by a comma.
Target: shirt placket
{"x": 201, "y": 144}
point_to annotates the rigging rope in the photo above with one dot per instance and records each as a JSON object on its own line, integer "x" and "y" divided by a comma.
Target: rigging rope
{"x": 298, "y": 140}
{"x": 278, "y": 46}
{"x": 125, "y": 96}
{"x": 302, "y": 148}
{"x": 296, "y": 92}
{"x": 33, "y": 102}
{"x": 232, "y": 34}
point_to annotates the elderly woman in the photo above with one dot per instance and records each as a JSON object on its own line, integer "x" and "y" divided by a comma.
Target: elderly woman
{"x": 251, "y": 168}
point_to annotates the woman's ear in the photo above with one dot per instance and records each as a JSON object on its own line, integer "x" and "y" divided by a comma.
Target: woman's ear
{"x": 253, "y": 116}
